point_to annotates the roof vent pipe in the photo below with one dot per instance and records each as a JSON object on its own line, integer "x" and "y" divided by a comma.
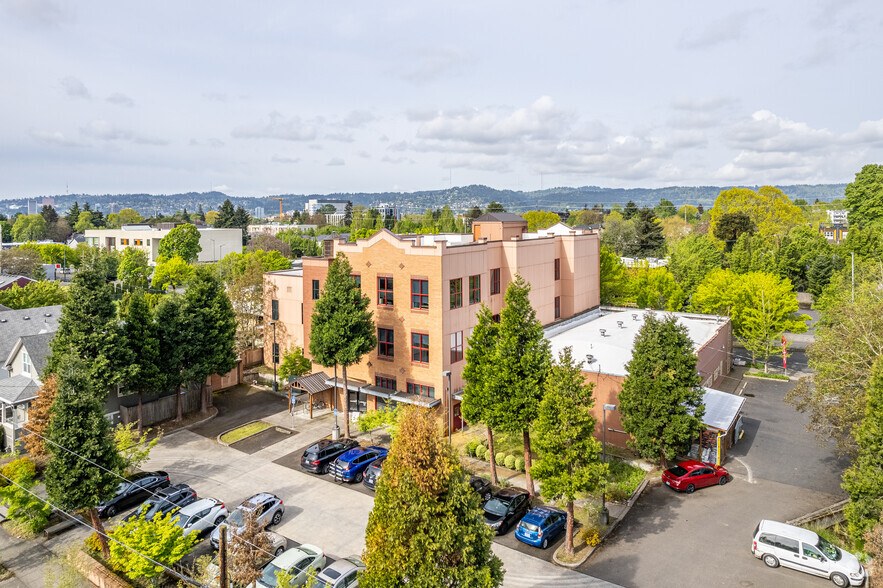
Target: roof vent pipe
{"x": 634, "y": 316}
{"x": 603, "y": 331}
{"x": 619, "y": 324}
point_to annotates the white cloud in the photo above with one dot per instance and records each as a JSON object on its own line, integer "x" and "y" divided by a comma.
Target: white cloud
{"x": 765, "y": 131}
{"x": 278, "y": 127}
{"x": 120, "y": 100}
{"x": 869, "y": 131}
{"x": 53, "y": 138}
{"x": 107, "y": 131}
{"x": 39, "y": 13}
{"x": 336, "y": 161}
{"x": 723, "y": 30}
{"x": 75, "y": 88}
{"x": 285, "y": 159}
{"x": 357, "y": 119}
{"x": 701, "y": 104}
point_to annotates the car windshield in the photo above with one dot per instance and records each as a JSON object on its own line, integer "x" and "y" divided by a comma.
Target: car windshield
{"x": 496, "y": 506}
{"x": 157, "y": 507}
{"x": 236, "y": 519}
{"x": 269, "y": 577}
{"x": 181, "y": 521}
{"x": 677, "y": 471}
{"x": 529, "y": 527}
{"x": 830, "y": 550}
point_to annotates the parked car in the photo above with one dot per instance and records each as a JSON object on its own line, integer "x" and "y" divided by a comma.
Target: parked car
{"x": 351, "y": 466}
{"x": 201, "y": 516}
{"x": 344, "y": 573}
{"x": 505, "y": 508}
{"x": 268, "y": 507}
{"x": 372, "y": 473}
{"x": 164, "y": 501}
{"x": 278, "y": 543}
{"x": 689, "y": 475}
{"x": 800, "y": 549}
{"x": 541, "y": 526}
{"x": 482, "y": 487}
{"x": 317, "y": 458}
{"x": 133, "y": 491}
{"x": 300, "y": 562}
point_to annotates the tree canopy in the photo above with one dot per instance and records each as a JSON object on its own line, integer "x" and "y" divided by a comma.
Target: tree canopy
{"x": 33, "y": 295}
{"x": 183, "y": 242}
{"x": 864, "y": 196}
{"x": 29, "y": 227}
{"x": 769, "y": 209}
{"x": 661, "y": 401}
{"x": 692, "y": 258}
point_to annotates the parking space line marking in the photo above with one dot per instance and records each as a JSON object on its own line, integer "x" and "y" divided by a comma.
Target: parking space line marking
{"x": 748, "y": 469}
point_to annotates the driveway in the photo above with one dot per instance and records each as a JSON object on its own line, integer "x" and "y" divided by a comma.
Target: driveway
{"x": 780, "y": 472}
{"x": 239, "y": 405}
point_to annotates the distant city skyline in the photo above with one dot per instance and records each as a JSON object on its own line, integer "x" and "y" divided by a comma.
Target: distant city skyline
{"x": 277, "y": 98}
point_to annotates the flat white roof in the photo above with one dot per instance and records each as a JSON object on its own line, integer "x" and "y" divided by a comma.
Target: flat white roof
{"x": 612, "y": 351}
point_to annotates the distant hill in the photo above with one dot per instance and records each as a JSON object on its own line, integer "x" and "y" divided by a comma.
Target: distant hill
{"x": 458, "y": 198}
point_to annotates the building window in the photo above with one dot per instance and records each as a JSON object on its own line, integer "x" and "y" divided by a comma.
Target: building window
{"x": 558, "y": 268}
{"x": 25, "y": 363}
{"x": 557, "y": 307}
{"x": 496, "y": 318}
{"x": 385, "y": 343}
{"x": 315, "y": 289}
{"x": 274, "y": 310}
{"x": 139, "y": 242}
{"x": 420, "y": 294}
{"x": 495, "y": 281}
{"x": 124, "y": 241}
{"x": 384, "y": 382}
{"x": 419, "y": 348}
{"x": 457, "y": 293}
{"x": 474, "y": 289}
{"x": 357, "y": 278}
{"x": 384, "y": 291}
{"x": 421, "y": 390}
{"x": 275, "y": 353}
{"x": 456, "y": 346}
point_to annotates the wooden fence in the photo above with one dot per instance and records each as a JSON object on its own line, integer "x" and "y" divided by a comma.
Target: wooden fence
{"x": 252, "y": 357}
{"x": 161, "y": 409}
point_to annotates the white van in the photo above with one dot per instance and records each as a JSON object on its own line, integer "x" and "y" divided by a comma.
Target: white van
{"x": 780, "y": 544}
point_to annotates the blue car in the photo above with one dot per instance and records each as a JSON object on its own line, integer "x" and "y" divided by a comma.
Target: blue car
{"x": 351, "y": 466}
{"x": 541, "y": 526}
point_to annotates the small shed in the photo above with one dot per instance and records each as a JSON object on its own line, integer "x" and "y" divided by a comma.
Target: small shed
{"x": 314, "y": 387}
{"x": 723, "y": 422}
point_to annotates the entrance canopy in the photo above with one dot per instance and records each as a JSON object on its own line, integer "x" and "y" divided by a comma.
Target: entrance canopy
{"x": 385, "y": 393}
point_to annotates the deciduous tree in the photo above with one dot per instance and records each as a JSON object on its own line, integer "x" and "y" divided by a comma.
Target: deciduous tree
{"x": 568, "y": 462}
{"x": 425, "y": 529}
{"x": 39, "y": 413}
{"x": 692, "y": 258}
{"x": 172, "y": 272}
{"x": 29, "y": 227}
{"x": 133, "y": 446}
{"x": 159, "y": 539}
{"x": 183, "y": 242}
{"x": 249, "y": 551}
{"x": 342, "y": 327}
{"x": 23, "y": 507}
{"x": 21, "y": 262}
{"x": 864, "y": 196}
{"x": 655, "y": 288}
{"x": 33, "y": 295}
{"x": 771, "y": 211}
{"x": 134, "y": 271}
{"x": 540, "y": 219}
{"x": 295, "y": 364}
{"x": 613, "y": 277}
{"x": 661, "y": 400}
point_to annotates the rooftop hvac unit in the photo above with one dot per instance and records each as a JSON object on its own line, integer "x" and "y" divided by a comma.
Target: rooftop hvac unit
{"x": 603, "y": 331}
{"x": 619, "y": 324}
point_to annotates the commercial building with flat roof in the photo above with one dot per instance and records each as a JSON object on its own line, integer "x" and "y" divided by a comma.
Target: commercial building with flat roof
{"x": 215, "y": 243}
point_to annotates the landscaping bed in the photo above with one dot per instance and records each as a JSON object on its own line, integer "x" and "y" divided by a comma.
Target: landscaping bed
{"x": 247, "y": 430}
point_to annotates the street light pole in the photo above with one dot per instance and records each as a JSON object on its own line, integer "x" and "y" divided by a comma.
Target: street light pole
{"x": 604, "y": 515}
{"x": 275, "y": 355}
{"x": 450, "y": 401}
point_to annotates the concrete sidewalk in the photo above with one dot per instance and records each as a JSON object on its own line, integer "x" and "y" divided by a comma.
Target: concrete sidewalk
{"x": 32, "y": 560}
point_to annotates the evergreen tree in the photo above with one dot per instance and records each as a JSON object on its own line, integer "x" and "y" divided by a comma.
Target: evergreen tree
{"x": 568, "y": 451}
{"x": 495, "y": 207}
{"x": 425, "y": 529}
{"x": 864, "y": 479}
{"x": 661, "y": 399}
{"x": 88, "y": 328}
{"x": 171, "y": 344}
{"x": 630, "y": 211}
{"x": 73, "y": 215}
{"x": 82, "y": 481}
{"x": 342, "y": 328}
{"x": 200, "y": 213}
{"x": 478, "y": 401}
{"x": 649, "y": 240}
{"x": 144, "y": 372}
{"x": 224, "y": 219}
{"x": 348, "y": 213}
{"x": 208, "y": 328}
{"x": 48, "y": 213}
{"x": 522, "y": 360}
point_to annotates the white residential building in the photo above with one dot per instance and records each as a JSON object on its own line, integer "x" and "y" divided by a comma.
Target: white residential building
{"x": 838, "y": 217}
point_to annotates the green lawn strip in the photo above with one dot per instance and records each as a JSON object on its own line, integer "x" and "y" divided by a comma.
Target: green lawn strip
{"x": 770, "y": 376}
{"x": 245, "y": 431}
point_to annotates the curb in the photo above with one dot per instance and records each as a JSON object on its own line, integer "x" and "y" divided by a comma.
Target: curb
{"x": 272, "y": 426}
{"x": 610, "y": 529}
{"x": 755, "y": 376}
{"x": 196, "y": 424}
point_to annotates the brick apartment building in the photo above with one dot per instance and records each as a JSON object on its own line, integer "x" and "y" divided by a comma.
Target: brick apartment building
{"x": 425, "y": 291}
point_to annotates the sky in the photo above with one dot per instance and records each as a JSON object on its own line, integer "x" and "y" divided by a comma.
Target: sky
{"x": 276, "y": 97}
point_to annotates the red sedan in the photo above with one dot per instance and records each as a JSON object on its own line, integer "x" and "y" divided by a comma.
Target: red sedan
{"x": 690, "y": 475}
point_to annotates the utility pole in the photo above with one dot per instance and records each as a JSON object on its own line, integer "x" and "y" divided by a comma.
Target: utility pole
{"x": 222, "y": 555}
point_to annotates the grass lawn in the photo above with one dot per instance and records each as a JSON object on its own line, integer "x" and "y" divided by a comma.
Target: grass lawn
{"x": 244, "y": 431}
{"x": 771, "y": 376}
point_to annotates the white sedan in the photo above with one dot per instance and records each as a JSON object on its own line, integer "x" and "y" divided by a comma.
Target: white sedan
{"x": 201, "y": 516}
{"x": 299, "y": 562}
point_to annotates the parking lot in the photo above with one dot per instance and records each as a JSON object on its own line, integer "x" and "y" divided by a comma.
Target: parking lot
{"x": 704, "y": 539}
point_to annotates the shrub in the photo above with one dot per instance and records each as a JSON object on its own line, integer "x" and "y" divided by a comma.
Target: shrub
{"x": 500, "y": 458}
{"x": 590, "y": 535}
{"x": 617, "y": 494}
{"x": 479, "y": 451}
{"x": 93, "y": 544}
{"x": 510, "y": 462}
{"x": 471, "y": 447}
{"x": 24, "y": 508}
{"x": 519, "y": 464}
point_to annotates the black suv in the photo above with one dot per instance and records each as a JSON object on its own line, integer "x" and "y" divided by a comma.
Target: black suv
{"x": 164, "y": 501}
{"x": 133, "y": 491}
{"x": 318, "y": 457}
{"x": 505, "y": 508}
{"x": 372, "y": 474}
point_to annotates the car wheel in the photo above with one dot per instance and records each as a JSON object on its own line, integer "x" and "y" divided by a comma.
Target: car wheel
{"x": 839, "y": 580}
{"x": 545, "y": 543}
{"x": 359, "y": 477}
{"x": 277, "y": 517}
{"x": 279, "y": 551}
{"x": 220, "y": 520}
{"x": 111, "y": 511}
{"x": 324, "y": 469}
{"x": 690, "y": 488}
{"x": 486, "y": 496}
{"x": 724, "y": 480}
{"x": 771, "y": 560}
